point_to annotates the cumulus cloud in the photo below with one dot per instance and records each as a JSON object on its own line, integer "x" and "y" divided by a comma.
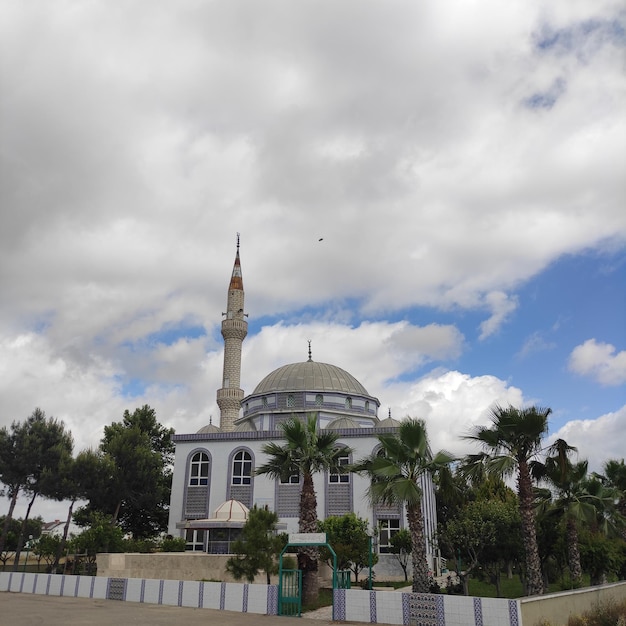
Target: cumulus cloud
{"x": 597, "y": 440}
{"x": 599, "y": 361}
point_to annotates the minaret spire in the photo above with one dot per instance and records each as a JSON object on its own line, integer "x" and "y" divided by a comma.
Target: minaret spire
{"x": 234, "y": 331}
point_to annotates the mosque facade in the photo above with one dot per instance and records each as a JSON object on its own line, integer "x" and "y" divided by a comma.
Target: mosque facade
{"x": 214, "y": 482}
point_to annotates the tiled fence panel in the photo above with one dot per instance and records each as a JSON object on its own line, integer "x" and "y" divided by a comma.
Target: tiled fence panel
{"x": 244, "y": 598}
{"x": 414, "y": 609}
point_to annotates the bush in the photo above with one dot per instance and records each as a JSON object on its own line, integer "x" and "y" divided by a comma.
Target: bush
{"x": 608, "y": 613}
{"x": 173, "y": 544}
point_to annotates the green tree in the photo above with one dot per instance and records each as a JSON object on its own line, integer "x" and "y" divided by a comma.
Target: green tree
{"x": 401, "y": 548}
{"x": 487, "y": 535}
{"x": 30, "y": 454}
{"x": 14, "y": 527}
{"x": 349, "y": 537}
{"x": 615, "y": 478}
{"x": 46, "y": 444}
{"x": 306, "y": 451}
{"x": 511, "y": 445}
{"x": 133, "y": 480}
{"x": 395, "y": 473}
{"x": 567, "y": 498}
{"x": 102, "y": 536}
{"x": 258, "y": 548}
{"x": 46, "y": 548}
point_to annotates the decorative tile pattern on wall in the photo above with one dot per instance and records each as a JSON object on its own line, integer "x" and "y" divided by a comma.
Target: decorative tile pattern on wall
{"x": 116, "y": 589}
{"x": 424, "y": 610}
{"x": 478, "y": 612}
{"x": 339, "y": 602}
{"x": 514, "y": 617}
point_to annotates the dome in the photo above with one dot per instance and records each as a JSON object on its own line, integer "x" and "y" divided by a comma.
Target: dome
{"x": 209, "y": 428}
{"x": 231, "y": 511}
{"x": 389, "y": 423}
{"x": 342, "y": 422}
{"x": 310, "y": 376}
{"x": 245, "y": 427}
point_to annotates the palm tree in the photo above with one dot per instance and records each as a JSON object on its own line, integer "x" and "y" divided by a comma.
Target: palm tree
{"x": 571, "y": 501}
{"x": 510, "y": 446}
{"x": 615, "y": 473}
{"x": 306, "y": 451}
{"x": 395, "y": 472}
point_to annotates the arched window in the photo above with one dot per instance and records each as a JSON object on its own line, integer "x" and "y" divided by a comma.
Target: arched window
{"x": 367, "y": 405}
{"x": 319, "y": 399}
{"x": 348, "y": 403}
{"x": 340, "y": 478}
{"x": 242, "y": 468}
{"x": 199, "y": 469}
{"x": 291, "y": 401}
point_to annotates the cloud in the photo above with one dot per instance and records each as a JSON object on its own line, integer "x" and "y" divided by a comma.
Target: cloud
{"x": 599, "y": 361}
{"x": 535, "y": 343}
{"x": 452, "y": 403}
{"x": 597, "y": 440}
{"x": 501, "y": 306}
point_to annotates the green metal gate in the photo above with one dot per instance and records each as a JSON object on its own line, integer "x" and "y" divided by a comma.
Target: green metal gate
{"x": 343, "y": 579}
{"x": 290, "y": 592}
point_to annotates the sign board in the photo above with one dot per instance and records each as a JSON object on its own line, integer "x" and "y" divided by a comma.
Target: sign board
{"x": 304, "y": 538}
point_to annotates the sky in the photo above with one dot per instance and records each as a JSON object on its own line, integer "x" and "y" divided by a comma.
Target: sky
{"x": 432, "y": 192}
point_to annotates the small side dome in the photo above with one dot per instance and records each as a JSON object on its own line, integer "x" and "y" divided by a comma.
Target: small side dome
{"x": 245, "y": 427}
{"x": 232, "y": 511}
{"x": 208, "y": 429}
{"x": 342, "y": 422}
{"x": 389, "y": 422}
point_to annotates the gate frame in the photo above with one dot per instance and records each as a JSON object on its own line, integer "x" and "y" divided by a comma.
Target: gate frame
{"x": 304, "y": 545}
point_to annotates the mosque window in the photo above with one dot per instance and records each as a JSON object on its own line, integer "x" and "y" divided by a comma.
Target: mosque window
{"x": 293, "y": 479}
{"x": 387, "y": 529}
{"x": 199, "y": 469}
{"x": 194, "y": 540}
{"x": 265, "y": 403}
{"x": 367, "y": 405}
{"x": 348, "y": 403}
{"x": 291, "y": 401}
{"x": 319, "y": 399}
{"x": 340, "y": 478}
{"x": 242, "y": 468}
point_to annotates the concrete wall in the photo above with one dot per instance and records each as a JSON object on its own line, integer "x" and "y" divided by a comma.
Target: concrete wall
{"x": 556, "y": 608}
{"x": 243, "y": 598}
{"x": 168, "y": 565}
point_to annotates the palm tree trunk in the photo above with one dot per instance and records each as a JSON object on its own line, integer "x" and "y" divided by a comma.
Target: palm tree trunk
{"x": 573, "y": 554}
{"x": 421, "y": 580}
{"x": 307, "y": 557}
{"x": 529, "y": 531}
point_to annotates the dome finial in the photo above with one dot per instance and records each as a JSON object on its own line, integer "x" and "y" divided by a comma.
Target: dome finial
{"x": 389, "y": 412}
{"x": 310, "y": 357}
{"x": 210, "y": 420}
{"x": 237, "y": 242}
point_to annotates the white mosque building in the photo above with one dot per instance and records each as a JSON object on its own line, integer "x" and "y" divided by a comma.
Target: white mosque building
{"x": 214, "y": 482}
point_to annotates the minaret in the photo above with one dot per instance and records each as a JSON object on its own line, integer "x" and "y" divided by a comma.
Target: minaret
{"x": 234, "y": 331}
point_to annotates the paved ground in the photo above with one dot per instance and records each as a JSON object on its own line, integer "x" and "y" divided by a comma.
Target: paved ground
{"x": 25, "y": 609}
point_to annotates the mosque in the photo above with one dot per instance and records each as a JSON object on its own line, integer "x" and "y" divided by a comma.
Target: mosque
{"x": 214, "y": 482}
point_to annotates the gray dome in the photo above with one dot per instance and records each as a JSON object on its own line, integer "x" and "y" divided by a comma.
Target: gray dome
{"x": 389, "y": 422}
{"x": 342, "y": 422}
{"x": 310, "y": 376}
{"x": 209, "y": 428}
